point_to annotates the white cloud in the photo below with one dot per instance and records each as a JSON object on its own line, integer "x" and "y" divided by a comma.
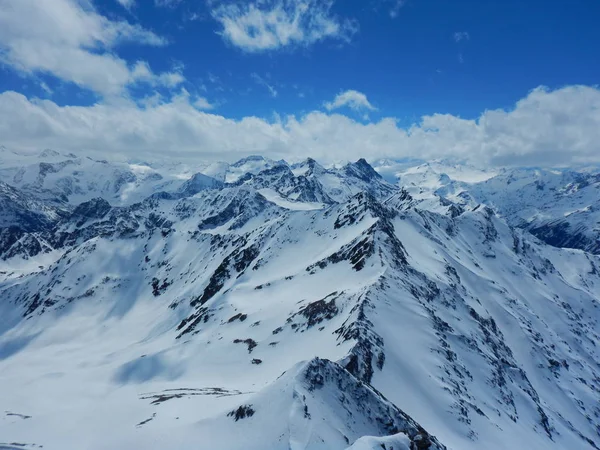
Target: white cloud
{"x": 141, "y": 72}
{"x": 184, "y": 98}
{"x": 264, "y": 25}
{"x": 352, "y": 99}
{"x": 560, "y": 127}
{"x": 46, "y": 88}
{"x": 170, "y": 79}
{"x": 262, "y": 82}
{"x": 71, "y": 41}
{"x": 461, "y": 36}
{"x": 127, "y": 4}
{"x": 203, "y": 103}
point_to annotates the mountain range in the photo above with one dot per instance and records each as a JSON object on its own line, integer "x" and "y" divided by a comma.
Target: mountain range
{"x": 268, "y": 305}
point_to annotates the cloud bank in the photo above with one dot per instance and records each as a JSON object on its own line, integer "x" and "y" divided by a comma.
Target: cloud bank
{"x": 545, "y": 128}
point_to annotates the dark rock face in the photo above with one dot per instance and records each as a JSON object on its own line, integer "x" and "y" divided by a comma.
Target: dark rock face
{"x": 561, "y": 234}
{"x": 251, "y": 343}
{"x": 242, "y": 412}
{"x": 241, "y": 317}
{"x": 159, "y": 287}
{"x": 319, "y": 311}
{"x": 15, "y": 242}
{"x": 26, "y": 212}
{"x": 320, "y": 373}
{"x": 237, "y": 209}
{"x": 239, "y": 261}
{"x": 23, "y": 219}
{"x": 94, "y": 209}
{"x": 362, "y": 170}
{"x": 357, "y": 253}
{"x": 315, "y": 313}
{"x": 368, "y": 352}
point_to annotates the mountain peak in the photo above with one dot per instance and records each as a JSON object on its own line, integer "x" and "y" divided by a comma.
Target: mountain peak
{"x": 312, "y": 167}
{"x": 362, "y": 169}
{"x": 199, "y": 182}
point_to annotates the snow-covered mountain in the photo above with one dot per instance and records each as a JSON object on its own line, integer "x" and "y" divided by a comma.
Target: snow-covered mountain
{"x": 561, "y": 207}
{"x": 70, "y": 179}
{"x": 291, "y": 306}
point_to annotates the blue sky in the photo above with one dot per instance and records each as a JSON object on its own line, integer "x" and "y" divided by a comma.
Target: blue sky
{"x": 370, "y": 62}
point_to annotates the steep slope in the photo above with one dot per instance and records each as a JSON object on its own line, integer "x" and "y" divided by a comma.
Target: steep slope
{"x": 171, "y": 321}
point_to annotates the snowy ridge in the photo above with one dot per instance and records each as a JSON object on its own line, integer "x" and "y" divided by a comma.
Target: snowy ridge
{"x": 170, "y": 321}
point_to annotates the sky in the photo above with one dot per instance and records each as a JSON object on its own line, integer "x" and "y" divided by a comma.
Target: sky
{"x": 488, "y": 82}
